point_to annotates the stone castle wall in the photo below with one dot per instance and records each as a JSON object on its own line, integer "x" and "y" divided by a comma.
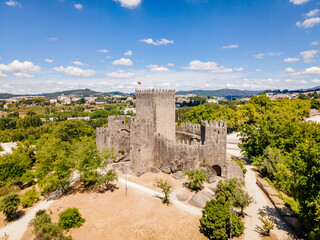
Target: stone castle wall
{"x": 117, "y": 134}
{"x": 173, "y": 156}
{"x": 152, "y": 140}
{"x": 141, "y": 145}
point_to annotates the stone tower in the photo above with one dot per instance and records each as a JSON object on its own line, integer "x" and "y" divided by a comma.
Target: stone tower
{"x": 155, "y": 113}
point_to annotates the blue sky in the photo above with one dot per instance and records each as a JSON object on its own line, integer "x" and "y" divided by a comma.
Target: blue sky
{"x": 109, "y": 45}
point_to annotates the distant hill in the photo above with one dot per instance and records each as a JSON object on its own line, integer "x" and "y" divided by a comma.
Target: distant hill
{"x": 227, "y": 93}
{"x": 6, "y": 95}
{"x": 78, "y": 92}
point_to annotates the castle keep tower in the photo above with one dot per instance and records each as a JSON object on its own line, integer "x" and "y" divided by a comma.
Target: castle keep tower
{"x": 157, "y": 107}
{"x": 155, "y": 110}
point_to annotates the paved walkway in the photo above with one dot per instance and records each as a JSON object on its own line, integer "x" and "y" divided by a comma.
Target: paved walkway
{"x": 261, "y": 201}
{"x": 16, "y": 229}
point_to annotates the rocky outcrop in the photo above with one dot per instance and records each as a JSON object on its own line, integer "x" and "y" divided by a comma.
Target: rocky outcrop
{"x": 182, "y": 197}
{"x": 199, "y": 200}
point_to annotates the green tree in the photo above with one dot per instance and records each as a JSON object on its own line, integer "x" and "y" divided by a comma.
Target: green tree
{"x": 70, "y": 218}
{"x": 196, "y": 178}
{"x": 88, "y": 160}
{"x": 107, "y": 178}
{"x": 9, "y": 205}
{"x": 55, "y": 163}
{"x": 268, "y": 162}
{"x": 71, "y": 130}
{"x": 166, "y": 188}
{"x": 215, "y": 221}
{"x": 231, "y": 190}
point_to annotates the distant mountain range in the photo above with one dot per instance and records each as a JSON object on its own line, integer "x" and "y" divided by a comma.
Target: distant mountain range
{"x": 227, "y": 93}
{"x": 77, "y": 92}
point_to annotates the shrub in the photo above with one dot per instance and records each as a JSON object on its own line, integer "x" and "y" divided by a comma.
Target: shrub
{"x": 268, "y": 223}
{"x": 70, "y": 218}
{"x": 45, "y": 229}
{"x": 196, "y": 178}
{"x": 166, "y": 189}
{"x": 9, "y": 205}
{"x": 29, "y": 198}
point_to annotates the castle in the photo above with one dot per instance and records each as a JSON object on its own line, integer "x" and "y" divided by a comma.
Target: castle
{"x": 152, "y": 140}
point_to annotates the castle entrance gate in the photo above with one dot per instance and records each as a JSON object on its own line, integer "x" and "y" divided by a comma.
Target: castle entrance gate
{"x": 217, "y": 169}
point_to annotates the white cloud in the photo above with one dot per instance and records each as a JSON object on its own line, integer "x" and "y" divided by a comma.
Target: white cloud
{"x": 157, "y": 68}
{"x": 290, "y": 60}
{"x": 240, "y": 69}
{"x": 162, "y": 41}
{"x": 123, "y": 61}
{"x": 129, "y": 3}
{"x": 23, "y": 75}
{"x": 315, "y": 43}
{"x": 309, "y": 55}
{"x": 315, "y": 80}
{"x": 13, "y": 4}
{"x": 312, "y": 71}
{"x": 269, "y": 54}
{"x": 259, "y": 56}
{"x": 75, "y": 71}
{"x": 289, "y": 70}
{"x": 308, "y": 23}
{"x": 299, "y": 2}
{"x": 128, "y": 53}
{"x": 2, "y": 74}
{"x": 52, "y": 39}
{"x": 78, "y": 6}
{"x": 230, "y": 46}
{"x": 20, "y": 69}
{"x": 295, "y": 81}
{"x": 48, "y": 60}
{"x": 313, "y": 13}
{"x": 207, "y": 66}
{"x": 77, "y": 63}
{"x": 170, "y": 65}
{"x": 120, "y": 74}
{"x": 258, "y": 70}
{"x": 102, "y": 50}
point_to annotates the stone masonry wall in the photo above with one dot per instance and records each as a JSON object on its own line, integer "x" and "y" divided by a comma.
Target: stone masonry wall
{"x": 172, "y": 156}
{"x": 141, "y": 145}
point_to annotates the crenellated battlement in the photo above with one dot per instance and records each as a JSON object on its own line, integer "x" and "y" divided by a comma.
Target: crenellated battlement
{"x": 214, "y": 124}
{"x": 155, "y": 91}
{"x": 190, "y": 128}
